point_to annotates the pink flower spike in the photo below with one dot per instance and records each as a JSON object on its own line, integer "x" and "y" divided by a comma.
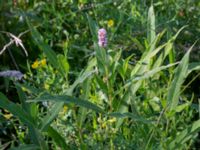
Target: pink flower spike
{"x": 102, "y": 39}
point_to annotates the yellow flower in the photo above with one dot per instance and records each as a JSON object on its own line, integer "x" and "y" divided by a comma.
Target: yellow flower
{"x": 46, "y": 86}
{"x": 112, "y": 120}
{"x": 104, "y": 125}
{"x": 35, "y": 65}
{"x": 65, "y": 109}
{"x": 110, "y": 23}
{"x": 8, "y": 116}
{"x": 43, "y": 62}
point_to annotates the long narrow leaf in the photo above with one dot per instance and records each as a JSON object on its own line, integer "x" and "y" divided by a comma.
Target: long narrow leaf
{"x": 193, "y": 66}
{"x": 129, "y": 115}
{"x": 59, "y": 140}
{"x": 179, "y": 77}
{"x": 151, "y": 33}
{"x": 15, "y": 110}
{"x": 26, "y": 147}
{"x": 185, "y": 135}
{"x": 149, "y": 74}
{"x": 46, "y": 121}
{"x": 69, "y": 100}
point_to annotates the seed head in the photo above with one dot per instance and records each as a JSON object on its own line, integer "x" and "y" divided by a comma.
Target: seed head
{"x": 12, "y": 73}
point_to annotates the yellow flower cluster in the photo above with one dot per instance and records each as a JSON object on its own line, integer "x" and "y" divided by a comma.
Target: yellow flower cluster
{"x": 64, "y": 110}
{"x": 40, "y": 63}
{"x": 110, "y": 121}
{"x": 110, "y": 23}
{"x": 7, "y": 114}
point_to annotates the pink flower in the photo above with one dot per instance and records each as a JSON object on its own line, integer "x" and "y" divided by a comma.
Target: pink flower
{"x": 102, "y": 37}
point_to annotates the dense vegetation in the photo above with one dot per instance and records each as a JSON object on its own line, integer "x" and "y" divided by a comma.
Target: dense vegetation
{"x": 135, "y": 88}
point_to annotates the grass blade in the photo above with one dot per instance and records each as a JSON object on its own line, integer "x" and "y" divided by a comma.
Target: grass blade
{"x": 129, "y": 115}
{"x": 179, "y": 77}
{"x": 69, "y": 100}
{"x": 15, "y": 110}
{"x": 151, "y": 25}
{"x": 59, "y": 140}
{"x": 185, "y": 135}
{"x": 46, "y": 121}
{"x": 193, "y": 66}
{"x": 26, "y": 147}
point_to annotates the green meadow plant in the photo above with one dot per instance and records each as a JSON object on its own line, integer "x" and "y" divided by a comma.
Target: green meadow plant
{"x": 114, "y": 102}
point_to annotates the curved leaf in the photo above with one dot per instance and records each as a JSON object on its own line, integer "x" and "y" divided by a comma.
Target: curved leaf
{"x": 69, "y": 100}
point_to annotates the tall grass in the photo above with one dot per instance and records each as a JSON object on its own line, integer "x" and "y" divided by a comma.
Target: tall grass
{"x": 112, "y": 103}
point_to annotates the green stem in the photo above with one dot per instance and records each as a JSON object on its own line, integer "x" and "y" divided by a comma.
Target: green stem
{"x": 153, "y": 130}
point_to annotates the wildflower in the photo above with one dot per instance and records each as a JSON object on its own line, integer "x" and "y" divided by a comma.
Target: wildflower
{"x": 110, "y": 23}
{"x": 104, "y": 125}
{"x": 43, "y": 62}
{"x": 8, "y": 116}
{"x": 112, "y": 120}
{"x": 12, "y": 73}
{"x": 102, "y": 38}
{"x": 35, "y": 65}
{"x": 65, "y": 109}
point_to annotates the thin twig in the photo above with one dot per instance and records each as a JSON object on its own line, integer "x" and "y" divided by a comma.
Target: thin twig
{"x": 13, "y": 59}
{"x": 16, "y": 40}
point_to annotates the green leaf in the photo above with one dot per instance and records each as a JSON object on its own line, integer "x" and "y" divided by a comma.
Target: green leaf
{"x": 38, "y": 39}
{"x": 163, "y": 55}
{"x": 123, "y": 66}
{"x": 171, "y": 52}
{"x": 102, "y": 84}
{"x": 57, "y": 138}
{"x": 185, "y": 135}
{"x": 179, "y": 77}
{"x": 182, "y": 107}
{"x": 138, "y": 44}
{"x": 123, "y": 108}
{"x": 37, "y": 138}
{"x": 51, "y": 55}
{"x": 30, "y": 89}
{"x": 88, "y": 72}
{"x": 51, "y": 115}
{"x": 93, "y": 27}
{"x": 69, "y": 100}
{"x": 151, "y": 27}
{"x": 16, "y": 110}
{"x": 129, "y": 115}
{"x": 63, "y": 65}
{"x": 82, "y": 112}
{"x": 148, "y": 74}
{"x": 193, "y": 66}
{"x": 142, "y": 65}
{"x": 84, "y": 75}
{"x": 26, "y": 147}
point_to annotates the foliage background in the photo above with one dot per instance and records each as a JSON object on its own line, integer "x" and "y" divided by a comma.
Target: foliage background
{"x": 128, "y": 86}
